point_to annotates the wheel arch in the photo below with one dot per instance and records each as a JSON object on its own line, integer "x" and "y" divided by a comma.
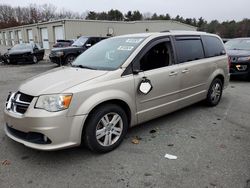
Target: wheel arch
{"x": 219, "y": 73}
{"x": 221, "y": 77}
{"x": 69, "y": 54}
{"x": 118, "y": 102}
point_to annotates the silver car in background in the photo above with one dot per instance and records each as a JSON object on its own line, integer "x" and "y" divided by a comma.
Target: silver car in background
{"x": 118, "y": 83}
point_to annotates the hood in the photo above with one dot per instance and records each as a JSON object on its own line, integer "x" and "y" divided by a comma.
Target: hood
{"x": 238, "y": 53}
{"x": 58, "y": 80}
{"x": 16, "y": 52}
{"x": 65, "y": 48}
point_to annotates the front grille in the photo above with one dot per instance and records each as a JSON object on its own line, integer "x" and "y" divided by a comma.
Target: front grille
{"x": 18, "y": 102}
{"x": 25, "y": 97}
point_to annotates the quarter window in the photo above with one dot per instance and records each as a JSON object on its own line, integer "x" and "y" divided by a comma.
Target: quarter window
{"x": 213, "y": 46}
{"x": 189, "y": 49}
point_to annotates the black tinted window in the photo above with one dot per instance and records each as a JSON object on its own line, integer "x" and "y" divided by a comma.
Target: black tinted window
{"x": 213, "y": 46}
{"x": 158, "y": 56}
{"x": 92, "y": 41}
{"x": 189, "y": 49}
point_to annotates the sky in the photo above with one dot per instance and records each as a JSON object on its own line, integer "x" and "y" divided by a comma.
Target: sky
{"x": 222, "y": 10}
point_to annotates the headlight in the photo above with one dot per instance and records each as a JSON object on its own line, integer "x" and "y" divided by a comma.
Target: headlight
{"x": 54, "y": 103}
{"x": 244, "y": 58}
{"x": 59, "y": 54}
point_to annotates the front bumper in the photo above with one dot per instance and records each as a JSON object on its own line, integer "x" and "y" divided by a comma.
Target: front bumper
{"x": 60, "y": 130}
{"x": 55, "y": 59}
{"x": 17, "y": 59}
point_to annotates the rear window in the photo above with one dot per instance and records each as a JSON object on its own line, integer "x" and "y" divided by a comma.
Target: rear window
{"x": 189, "y": 49}
{"x": 213, "y": 46}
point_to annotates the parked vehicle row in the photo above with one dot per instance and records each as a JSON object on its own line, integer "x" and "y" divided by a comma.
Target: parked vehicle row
{"x": 24, "y": 52}
{"x": 116, "y": 84}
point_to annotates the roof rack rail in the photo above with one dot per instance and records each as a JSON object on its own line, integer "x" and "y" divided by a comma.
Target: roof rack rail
{"x": 164, "y": 31}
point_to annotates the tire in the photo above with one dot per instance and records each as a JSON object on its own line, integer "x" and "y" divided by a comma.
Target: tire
{"x": 100, "y": 134}
{"x": 69, "y": 59}
{"x": 7, "y": 61}
{"x": 34, "y": 59}
{"x": 214, "y": 93}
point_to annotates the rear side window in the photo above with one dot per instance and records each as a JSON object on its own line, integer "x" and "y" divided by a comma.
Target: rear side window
{"x": 213, "y": 46}
{"x": 189, "y": 49}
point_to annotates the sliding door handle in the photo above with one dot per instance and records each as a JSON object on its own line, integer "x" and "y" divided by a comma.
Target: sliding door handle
{"x": 173, "y": 73}
{"x": 185, "y": 71}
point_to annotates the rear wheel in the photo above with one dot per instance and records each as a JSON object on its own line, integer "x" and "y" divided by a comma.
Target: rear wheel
{"x": 105, "y": 128}
{"x": 215, "y": 92}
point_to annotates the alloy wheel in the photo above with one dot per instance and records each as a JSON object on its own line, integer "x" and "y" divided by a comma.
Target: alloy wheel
{"x": 109, "y": 129}
{"x": 216, "y": 93}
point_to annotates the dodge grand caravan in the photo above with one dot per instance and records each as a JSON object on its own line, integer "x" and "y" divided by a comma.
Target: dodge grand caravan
{"x": 118, "y": 83}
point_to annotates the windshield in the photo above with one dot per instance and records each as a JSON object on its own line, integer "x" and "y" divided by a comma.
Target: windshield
{"x": 238, "y": 44}
{"x": 108, "y": 54}
{"x": 80, "y": 42}
{"x": 22, "y": 46}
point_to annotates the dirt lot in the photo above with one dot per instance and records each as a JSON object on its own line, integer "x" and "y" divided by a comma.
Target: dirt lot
{"x": 212, "y": 146}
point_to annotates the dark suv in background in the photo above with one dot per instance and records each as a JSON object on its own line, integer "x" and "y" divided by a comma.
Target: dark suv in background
{"x": 238, "y": 51}
{"x": 63, "y": 56}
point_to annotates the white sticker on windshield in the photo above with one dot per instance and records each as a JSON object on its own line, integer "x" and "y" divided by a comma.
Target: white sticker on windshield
{"x": 125, "y": 48}
{"x": 135, "y": 41}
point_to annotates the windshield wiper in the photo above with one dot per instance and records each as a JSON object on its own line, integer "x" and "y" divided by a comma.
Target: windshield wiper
{"x": 83, "y": 67}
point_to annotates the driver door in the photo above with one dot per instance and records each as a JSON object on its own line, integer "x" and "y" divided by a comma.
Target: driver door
{"x": 157, "y": 67}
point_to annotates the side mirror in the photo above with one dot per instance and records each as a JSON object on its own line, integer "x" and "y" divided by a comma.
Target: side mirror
{"x": 8, "y": 49}
{"x": 88, "y": 45}
{"x": 136, "y": 71}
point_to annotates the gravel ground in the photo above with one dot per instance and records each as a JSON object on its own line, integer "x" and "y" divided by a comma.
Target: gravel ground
{"x": 212, "y": 146}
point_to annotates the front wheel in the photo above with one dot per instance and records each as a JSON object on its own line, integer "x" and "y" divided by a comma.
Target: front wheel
{"x": 215, "y": 92}
{"x": 105, "y": 128}
{"x": 69, "y": 59}
{"x": 34, "y": 59}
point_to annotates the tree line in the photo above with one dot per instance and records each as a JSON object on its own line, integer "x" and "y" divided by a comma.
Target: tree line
{"x": 16, "y": 16}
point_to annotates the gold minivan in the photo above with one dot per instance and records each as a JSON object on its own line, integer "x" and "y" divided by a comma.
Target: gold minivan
{"x": 116, "y": 84}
